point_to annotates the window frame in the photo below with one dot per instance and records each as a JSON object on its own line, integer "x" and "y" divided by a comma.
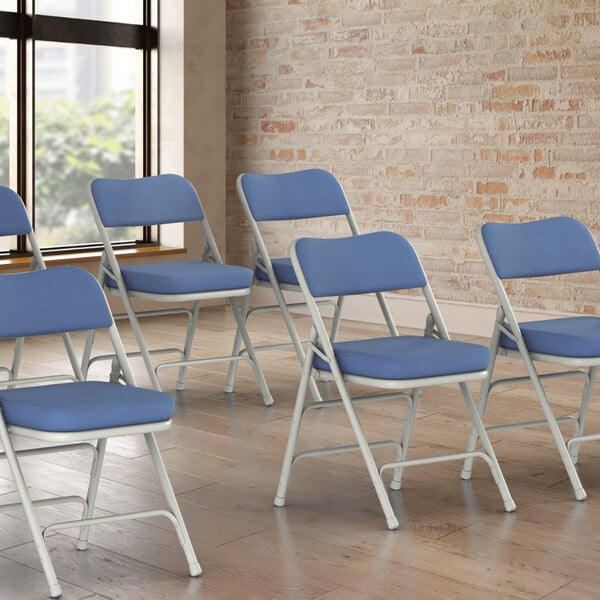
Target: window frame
{"x": 27, "y": 27}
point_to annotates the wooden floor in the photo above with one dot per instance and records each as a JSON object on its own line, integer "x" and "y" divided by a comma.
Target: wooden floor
{"x": 330, "y": 542}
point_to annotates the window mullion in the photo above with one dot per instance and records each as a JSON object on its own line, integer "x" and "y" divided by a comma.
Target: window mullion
{"x": 23, "y": 163}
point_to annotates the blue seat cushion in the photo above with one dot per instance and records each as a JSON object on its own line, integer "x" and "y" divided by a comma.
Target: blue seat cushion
{"x": 183, "y": 277}
{"x": 576, "y": 337}
{"x": 407, "y": 357}
{"x": 284, "y": 271}
{"x": 84, "y": 405}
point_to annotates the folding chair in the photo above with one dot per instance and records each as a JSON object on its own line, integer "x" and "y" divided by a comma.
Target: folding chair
{"x": 307, "y": 194}
{"x": 66, "y": 411}
{"x": 159, "y": 200}
{"x": 555, "y": 246}
{"x": 400, "y": 365}
{"x": 15, "y": 221}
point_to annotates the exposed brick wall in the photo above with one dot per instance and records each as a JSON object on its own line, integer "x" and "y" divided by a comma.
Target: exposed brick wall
{"x": 434, "y": 115}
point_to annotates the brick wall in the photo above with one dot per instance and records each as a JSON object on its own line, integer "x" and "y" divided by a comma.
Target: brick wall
{"x": 435, "y": 116}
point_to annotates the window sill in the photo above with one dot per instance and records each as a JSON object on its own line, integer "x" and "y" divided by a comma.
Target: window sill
{"x": 87, "y": 257}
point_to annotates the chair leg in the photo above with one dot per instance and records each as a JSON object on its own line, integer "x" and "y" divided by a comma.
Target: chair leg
{"x": 411, "y": 412}
{"x": 295, "y": 339}
{"x": 288, "y": 458}
{"x": 18, "y": 352}
{"x": 32, "y": 520}
{"x": 337, "y": 319}
{"x": 237, "y": 344}
{"x": 258, "y": 372}
{"x": 72, "y": 355}
{"x": 115, "y": 371}
{"x": 187, "y": 348}
{"x": 95, "y": 471}
{"x": 288, "y": 461}
{"x": 182, "y": 533}
{"x": 484, "y": 394}
{"x": 509, "y": 504}
{"x": 87, "y": 352}
{"x": 293, "y": 333}
{"x": 363, "y": 444}
{"x": 141, "y": 341}
{"x": 583, "y": 408}
{"x": 578, "y": 490}
{"x": 467, "y": 469}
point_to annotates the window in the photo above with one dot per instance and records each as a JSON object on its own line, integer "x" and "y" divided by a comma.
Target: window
{"x": 5, "y": 162}
{"x": 77, "y": 101}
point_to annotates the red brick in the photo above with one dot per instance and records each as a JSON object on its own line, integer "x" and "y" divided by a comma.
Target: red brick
{"x": 513, "y": 156}
{"x": 282, "y": 154}
{"x": 542, "y": 105}
{"x": 547, "y": 55}
{"x": 432, "y": 201}
{"x": 491, "y": 187}
{"x": 585, "y": 19}
{"x": 515, "y": 91}
{"x": 495, "y": 75}
{"x": 544, "y": 172}
{"x": 278, "y": 126}
{"x": 313, "y": 24}
{"x": 576, "y": 176}
{"x": 516, "y": 106}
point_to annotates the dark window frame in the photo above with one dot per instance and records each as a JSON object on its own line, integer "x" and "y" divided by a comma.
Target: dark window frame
{"x": 25, "y": 27}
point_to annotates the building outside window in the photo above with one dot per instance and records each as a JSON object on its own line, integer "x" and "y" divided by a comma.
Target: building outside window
{"x": 77, "y": 91}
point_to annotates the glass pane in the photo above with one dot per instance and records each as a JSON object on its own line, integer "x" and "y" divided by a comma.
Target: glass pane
{"x": 8, "y": 5}
{"x": 5, "y": 48}
{"x": 4, "y": 110}
{"x": 84, "y": 128}
{"x": 121, "y": 11}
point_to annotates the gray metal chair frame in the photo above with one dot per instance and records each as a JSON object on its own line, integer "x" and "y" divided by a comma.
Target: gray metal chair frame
{"x": 14, "y": 220}
{"x": 331, "y": 259}
{"x": 76, "y": 286}
{"x": 549, "y": 247}
{"x": 287, "y": 197}
{"x": 110, "y": 271}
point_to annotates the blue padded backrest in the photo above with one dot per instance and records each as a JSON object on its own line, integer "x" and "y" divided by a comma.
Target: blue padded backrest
{"x": 13, "y": 216}
{"x": 298, "y": 195}
{"x": 372, "y": 262}
{"x": 55, "y": 300}
{"x": 552, "y": 246}
{"x": 152, "y": 200}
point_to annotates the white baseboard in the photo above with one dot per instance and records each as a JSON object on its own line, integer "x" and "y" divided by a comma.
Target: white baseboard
{"x": 460, "y": 317}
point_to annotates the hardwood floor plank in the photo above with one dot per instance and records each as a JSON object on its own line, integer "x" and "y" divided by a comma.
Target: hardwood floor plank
{"x": 21, "y": 581}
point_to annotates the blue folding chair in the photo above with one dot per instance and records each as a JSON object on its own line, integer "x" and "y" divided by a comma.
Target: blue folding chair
{"x": 15, "y": 221}
{"x": 515, "y": 251}
{"x": 160, "y": 200}
{"x": 400, "y": 365}
{"x": 67, "y": 411}
{"x": 295, "y": 196}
